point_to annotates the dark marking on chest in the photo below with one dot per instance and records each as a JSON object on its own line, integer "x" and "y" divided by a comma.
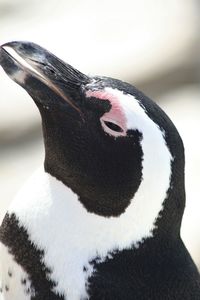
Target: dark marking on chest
{"x": 23, "y": 281}
{"x": 157, "y": 269}
{"x": 29, "y": 257}
{"x": 6, "y": 288}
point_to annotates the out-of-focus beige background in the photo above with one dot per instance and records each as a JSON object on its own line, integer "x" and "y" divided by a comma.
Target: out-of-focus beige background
{"x": 153, "y": 44}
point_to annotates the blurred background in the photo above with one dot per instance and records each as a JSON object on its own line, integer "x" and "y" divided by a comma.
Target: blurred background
{"x": 152, "y": 44}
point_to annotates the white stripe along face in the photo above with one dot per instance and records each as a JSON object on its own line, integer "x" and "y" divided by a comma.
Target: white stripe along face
{"x": 52, "y": 212}
{"x": 156, "y": 164}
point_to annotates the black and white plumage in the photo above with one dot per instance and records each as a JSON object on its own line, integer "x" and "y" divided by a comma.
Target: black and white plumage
{"x": 102, "y": 219}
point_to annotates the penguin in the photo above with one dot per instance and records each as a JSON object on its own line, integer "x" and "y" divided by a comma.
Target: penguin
{"x": 100, "y": 220}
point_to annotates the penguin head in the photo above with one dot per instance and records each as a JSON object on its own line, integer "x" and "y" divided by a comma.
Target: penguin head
{"x": 104, "y": 139}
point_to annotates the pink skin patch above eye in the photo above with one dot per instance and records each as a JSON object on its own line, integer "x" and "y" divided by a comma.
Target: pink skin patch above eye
{"x": 115, "y": 115}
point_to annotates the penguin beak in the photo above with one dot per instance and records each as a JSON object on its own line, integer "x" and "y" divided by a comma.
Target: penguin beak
{"x": 33, "y": 67}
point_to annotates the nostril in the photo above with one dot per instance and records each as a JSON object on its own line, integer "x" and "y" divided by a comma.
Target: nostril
{"x": 51, "y": 71}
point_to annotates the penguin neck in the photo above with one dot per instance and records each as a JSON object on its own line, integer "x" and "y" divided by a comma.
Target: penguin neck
{"x": 57, "y": 222}
{"x": 53, "y": 205}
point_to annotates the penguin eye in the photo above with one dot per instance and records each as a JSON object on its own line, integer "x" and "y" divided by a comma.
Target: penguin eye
{"x": 113, "y": 126}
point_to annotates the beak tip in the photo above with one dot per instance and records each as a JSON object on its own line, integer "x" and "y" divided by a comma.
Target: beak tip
{"x": 9, "y": 44}
{"x": 21, "y": 46}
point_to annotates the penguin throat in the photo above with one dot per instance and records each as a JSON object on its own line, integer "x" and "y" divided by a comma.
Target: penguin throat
{"x": 46, "y": 202}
